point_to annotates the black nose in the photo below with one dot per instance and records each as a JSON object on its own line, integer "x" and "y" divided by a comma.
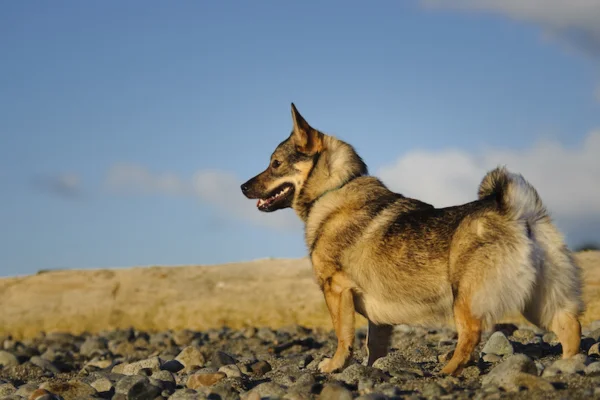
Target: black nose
{"x": 244, "y": 188}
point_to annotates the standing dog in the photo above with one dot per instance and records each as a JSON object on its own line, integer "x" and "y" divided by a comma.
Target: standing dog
{"x": 394, "y": 259}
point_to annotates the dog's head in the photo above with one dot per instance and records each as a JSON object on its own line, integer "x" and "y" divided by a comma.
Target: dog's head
{"x": 279, "y": 185}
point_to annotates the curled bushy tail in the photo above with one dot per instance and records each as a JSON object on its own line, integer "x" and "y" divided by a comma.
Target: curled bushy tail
{"x": 514, "y": 195}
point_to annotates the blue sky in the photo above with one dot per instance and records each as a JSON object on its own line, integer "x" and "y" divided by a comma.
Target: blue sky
{"x": 127, "y": 127}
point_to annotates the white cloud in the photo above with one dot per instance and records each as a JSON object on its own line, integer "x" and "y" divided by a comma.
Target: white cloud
{"x": 573, "y": 21}
{"x": 133, "y": 178}
{"x": 218, "y": 189}
{"x": 65, "y": 184}
{"x": 567, "y": 179}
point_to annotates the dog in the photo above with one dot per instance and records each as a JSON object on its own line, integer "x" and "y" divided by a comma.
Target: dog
{"x": 397, "y": 260}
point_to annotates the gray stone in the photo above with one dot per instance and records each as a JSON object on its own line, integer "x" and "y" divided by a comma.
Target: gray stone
{"x": 433, "y": 390}
{"x": 231, "y": 370}
{"x": 573, "y": 365}
{"x": 184, "y": 394}
{"x": 515, "y": 372}
{"x": 191, "y": 356}
{"x": 102, "y": 384}
{"x": 93, "y": 345}
{"x": 372, "y": 396}
{"x": 335, "y": 391}
{"x": 524, "y": 335}
{"x": 593, "y": 369}
{"x": 73, "y": 389}
{"x": 498, "y": 344}
{"x": 7, "y": 389}
{"x": 594, "y": 350}
{"x": 26, "y": 390}
{"x": 8, "y": 359}
{"x": 134, "y": 368}
{"x": 550, "y": 338}
{"x": 221, "y": 358}
{"x": 595, "y": 334}
{"x": 44, "y": 364}
{"x": 172, "y": 366}
{"x": 260, "y": 368}
{"x": 355, "y": 372}
{"x": 491, "y": 358}
{"x": 136, "y": 387}
{"x": 267, "y": 389}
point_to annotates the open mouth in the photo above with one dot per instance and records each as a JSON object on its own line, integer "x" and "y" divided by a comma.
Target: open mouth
{"x": 278, "y": 198}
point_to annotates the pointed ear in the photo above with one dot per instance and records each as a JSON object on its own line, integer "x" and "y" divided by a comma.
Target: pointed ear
{"x": 306, "y": 139}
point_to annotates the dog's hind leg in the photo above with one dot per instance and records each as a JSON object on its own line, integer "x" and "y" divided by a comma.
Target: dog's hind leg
{"x": 340, "y": 301}
{"x": 378, "y": 341}
{"x": 469, "y": 335}
{"x": 556, "y": 304}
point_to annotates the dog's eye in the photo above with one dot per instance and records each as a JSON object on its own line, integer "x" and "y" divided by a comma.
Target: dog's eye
{"x": 275, "y": 164}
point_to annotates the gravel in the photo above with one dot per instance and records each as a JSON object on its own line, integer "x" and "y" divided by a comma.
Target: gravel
{"x": 262, "y": 363}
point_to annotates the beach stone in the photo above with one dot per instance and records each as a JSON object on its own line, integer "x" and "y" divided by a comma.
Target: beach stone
{"x": 335, "y": 391}
{"x": 6, "y": 389}
{"x": 260, "y": 368}
{"x": 550, "y": 338}
{"x": 93, "y": 345}
{"x": 136, "y": 387}
{"x": 515, "y": 372}
{"x": 221, "y": 358}
{"x": 70, "y": 390}
{"x": 231, "y": 370}
{"x": 191, "y": 356}
{"x": 593, "y": 369}
{"x": 573, "y": 365}
{"x": 594, "y": 350}
{"x": 8, "y": 359}
{"x": 498, "y": 344}
{"x": 44, "y": 364}
{"x": 202, "y": 379}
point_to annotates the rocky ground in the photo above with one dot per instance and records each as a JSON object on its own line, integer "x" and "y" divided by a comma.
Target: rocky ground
{"x": 265, "y": 363}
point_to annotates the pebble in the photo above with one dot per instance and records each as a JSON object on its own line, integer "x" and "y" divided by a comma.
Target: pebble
{"x": 191, "y": 356}
{"x": 8, "y": 359}
{"x": 231, "y": 370}
{"x": 515, "y": 372}
{"x": 356, "y": 372}
{"x": 573, "y": 365}
{"x": 136, "y": 387}
{"x": 594, "y": 350}
{"x": 260, "y": 368}
{"x": 102, "y": 384}
{"x": 592, "y": 369}
{"x": 221, "y": 358}
{"x": 44, "y": 364}
{"x": 524, "y": 335}
{"x": 152, "y": 364}
{"x": 498, "y": 344}
{"x": 202, "y": 379}
{"x": 93, "y": 345}
{"x": 595, "y": 334}
{"x": 550, "y": 338}
{"x": 335, "y": 391}
{"x": 7, "y": 389}
{"x": 73, "y": 389}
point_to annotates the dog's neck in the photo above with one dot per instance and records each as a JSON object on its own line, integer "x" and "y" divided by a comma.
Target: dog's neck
{"x": 335, "y": 166}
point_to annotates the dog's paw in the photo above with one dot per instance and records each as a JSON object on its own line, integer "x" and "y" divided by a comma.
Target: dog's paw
{"x": 327, "y": 366}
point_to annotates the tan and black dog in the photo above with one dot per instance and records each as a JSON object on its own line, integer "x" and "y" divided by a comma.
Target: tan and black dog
{"x": 397, "y": 260}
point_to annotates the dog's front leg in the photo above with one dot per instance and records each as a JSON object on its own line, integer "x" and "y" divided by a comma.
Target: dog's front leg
{"x": 340, "y": 302}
